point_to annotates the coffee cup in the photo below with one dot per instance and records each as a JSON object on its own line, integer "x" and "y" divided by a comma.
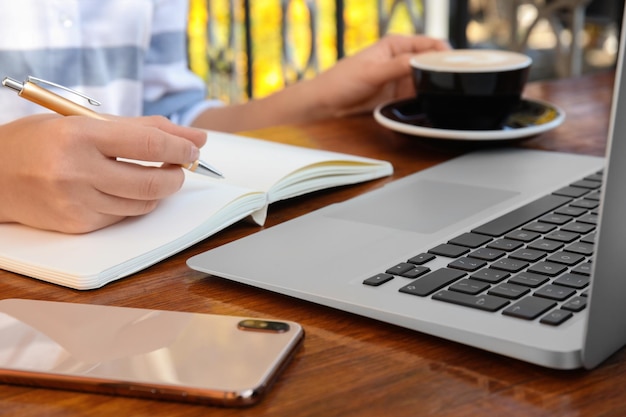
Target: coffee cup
{"x": 469, "y": 89}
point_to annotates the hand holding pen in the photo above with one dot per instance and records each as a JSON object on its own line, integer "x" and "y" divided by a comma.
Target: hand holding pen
{"x": 46, "y": 98}
{"x": 62, "y": 173}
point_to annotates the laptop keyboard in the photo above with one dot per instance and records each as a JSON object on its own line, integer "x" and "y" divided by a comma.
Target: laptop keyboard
{"x": 533, "y": 263}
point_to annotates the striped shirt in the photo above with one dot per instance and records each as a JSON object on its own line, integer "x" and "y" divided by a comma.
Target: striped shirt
{"x": 131, "y": 55}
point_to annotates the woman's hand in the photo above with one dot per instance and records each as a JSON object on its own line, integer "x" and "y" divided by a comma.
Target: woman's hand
{"x": 355, "y": 84}
{"x": 61, "y": 173}
{"x": 379, "y": 73}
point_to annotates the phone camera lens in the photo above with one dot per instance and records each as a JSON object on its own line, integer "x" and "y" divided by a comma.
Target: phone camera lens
{"x": 264, "y": 325}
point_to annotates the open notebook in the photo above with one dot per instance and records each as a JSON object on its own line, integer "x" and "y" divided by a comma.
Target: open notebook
{"x": 257, "y": 173}
{"x": 518, "y": 252}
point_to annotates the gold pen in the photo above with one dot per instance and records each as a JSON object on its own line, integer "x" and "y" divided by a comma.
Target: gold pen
{"x": 30, "y": 90}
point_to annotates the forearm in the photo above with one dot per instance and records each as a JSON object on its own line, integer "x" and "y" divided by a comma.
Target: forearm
{"x": 296, "y": 103}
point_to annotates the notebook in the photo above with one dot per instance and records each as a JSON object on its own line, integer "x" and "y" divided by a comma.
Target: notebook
{"x": 253, "y": 180}
{"x": 446, "y": 252}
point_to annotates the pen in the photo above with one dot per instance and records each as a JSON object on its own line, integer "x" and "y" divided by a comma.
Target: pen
{"x": 31, "y": 91}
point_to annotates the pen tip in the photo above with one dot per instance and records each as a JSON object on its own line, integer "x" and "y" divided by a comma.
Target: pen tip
{"x": 206, "y": 169}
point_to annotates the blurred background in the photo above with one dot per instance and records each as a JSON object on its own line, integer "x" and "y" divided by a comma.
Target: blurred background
{"x": 250, "y": 48}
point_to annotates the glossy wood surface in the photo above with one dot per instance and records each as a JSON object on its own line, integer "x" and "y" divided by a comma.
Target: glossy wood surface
{"x": 351, "y": 365}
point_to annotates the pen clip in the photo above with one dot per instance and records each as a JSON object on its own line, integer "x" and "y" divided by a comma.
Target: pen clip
{"x": 40, "y": 81}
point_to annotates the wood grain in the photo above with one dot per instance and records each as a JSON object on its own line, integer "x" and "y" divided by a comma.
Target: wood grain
{"x": 351, "y": 365}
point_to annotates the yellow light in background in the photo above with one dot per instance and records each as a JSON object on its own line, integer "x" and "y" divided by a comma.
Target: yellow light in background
{"x": 266, "y": 47}
{"x": 361, "y": 30}
{"x": 299, "y": 34}
{"x": 196, "y": 31}
{"x": 361, "y": 24}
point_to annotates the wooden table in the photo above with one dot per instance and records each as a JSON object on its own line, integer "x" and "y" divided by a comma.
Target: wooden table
{"x": 351, "y": 365}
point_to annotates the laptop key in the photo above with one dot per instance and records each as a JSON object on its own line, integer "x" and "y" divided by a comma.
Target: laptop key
{"x": 530, "y": 255}
{"x": 449, "y": 250}
{"x": 400, "y": 268}
{"x": 490, "y": 275}
{"x": 595, "y": 177}
{"x": 576, "y": 304}
{"x": 573, "y": 280}
{"x": 467, "y": 264}
{"x": 593, "y": 196}
{"x": 422, "y": 258}
{"x": 481, "y": 302}
{"x": 590, "y": 238}
{"x": 589, "y": 218}
{"x": 523, "y": 235}
{"x": 539, "y": 227}
{"x": 578, "y": 227}
{"x": 487, "y": 254}
{"x": 471, "y": 240}
{"x": 555, "y": 218}
{"x": 505, "y": 244}
{"x": 529, "y": 279}
{"x": 508, "y": 290}
{"x": 546, "y": 245}
{"x": 509, "y": 265}
{"x": 529, "y": 308}
{"x": 583, "y": 269}
{"x": 586, "y": 204}
{"x": 555, "y": 292}
{"x": 378, "y": 279}
{"x": 571, "y": 211}
{"x": 469, "y": 286}
{"x": 581, "y": 247}
{"x": 584, "y": 183}
{"x": 550, "y": 269}
{"x": 563, "y": 236}
{"x": 566, "y": 258}
{"x": 432, "y": 282}
{"x": 418, "y": 271}
{"x": 556, "y": 317}
{"x": 571, "y": 191}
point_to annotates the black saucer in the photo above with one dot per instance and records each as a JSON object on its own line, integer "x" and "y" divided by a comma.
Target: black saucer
{"x": 530, "y": 118}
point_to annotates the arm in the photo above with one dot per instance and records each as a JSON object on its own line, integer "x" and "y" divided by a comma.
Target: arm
{"x": 355, "y": 84}
{"x": 70, "y": 181}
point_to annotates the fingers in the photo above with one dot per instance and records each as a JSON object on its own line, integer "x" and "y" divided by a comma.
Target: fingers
{"x": 397, "y": 51}
{"x": 109, "y": 206}
{"x": 82, "y": 218}
{"x": 132, "y": 140}
{"x": 132, "y": 181}
{"x": 197, "y": 136}
{"x": 117, "y": 191}
{"x": 412, "y": 44}
{"x": 148, "y": 138}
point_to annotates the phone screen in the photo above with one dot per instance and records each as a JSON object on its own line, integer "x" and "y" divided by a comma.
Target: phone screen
{"x": 159, "y": 354}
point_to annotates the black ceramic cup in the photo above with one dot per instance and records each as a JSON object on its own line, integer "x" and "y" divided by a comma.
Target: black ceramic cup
{"x": 469, "y": 89}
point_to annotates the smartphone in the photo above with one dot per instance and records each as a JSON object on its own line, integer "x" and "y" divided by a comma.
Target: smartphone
{"x": 166, "y": 355}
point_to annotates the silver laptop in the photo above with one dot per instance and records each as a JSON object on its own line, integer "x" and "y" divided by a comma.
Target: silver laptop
{"x": 492, "y": 249}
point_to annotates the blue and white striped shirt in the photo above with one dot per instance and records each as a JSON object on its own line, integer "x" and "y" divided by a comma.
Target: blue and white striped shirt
{"x": 131, "y": 55}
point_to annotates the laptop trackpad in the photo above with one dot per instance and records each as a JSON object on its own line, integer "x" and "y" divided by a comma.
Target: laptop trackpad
{"x": 423, "y": 206}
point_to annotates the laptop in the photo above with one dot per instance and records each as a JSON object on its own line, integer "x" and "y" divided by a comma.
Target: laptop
{"x": 515, "y": 251}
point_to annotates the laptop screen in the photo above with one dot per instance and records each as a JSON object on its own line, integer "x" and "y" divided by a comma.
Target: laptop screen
{"x": 606, "y": 325}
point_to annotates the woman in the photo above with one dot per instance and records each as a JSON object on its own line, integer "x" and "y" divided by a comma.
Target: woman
{"x": 61, "y": 173}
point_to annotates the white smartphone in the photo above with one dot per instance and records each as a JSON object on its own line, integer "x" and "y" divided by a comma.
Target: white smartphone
{"x": 166, "y": 355}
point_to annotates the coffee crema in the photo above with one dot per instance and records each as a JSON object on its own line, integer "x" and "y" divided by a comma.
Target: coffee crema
{"x": 470, "y": 60}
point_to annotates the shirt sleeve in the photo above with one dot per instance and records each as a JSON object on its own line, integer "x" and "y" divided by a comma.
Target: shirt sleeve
{"x": 171, "y": 89}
